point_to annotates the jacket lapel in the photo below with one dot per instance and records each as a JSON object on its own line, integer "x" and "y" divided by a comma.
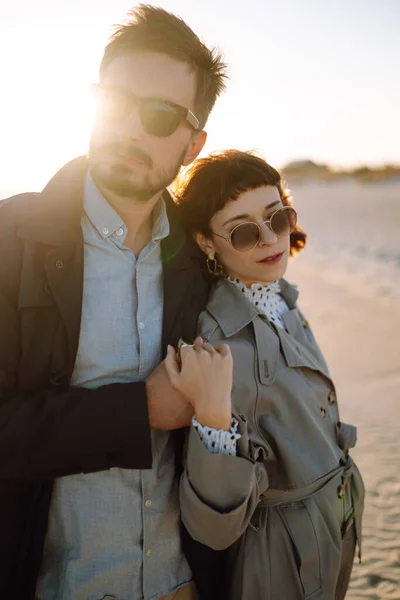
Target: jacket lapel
{"x": 53, "y": 221}
{"x": 232, "y": 311}
{"x": 66, "y": 285}
{"x": 185, "y": 284}
{"x": 299, "y": 347}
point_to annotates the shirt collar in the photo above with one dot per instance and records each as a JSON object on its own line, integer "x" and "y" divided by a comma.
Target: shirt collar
{"x": 161, "y": 227}
{"x": 107, "y": 221}
{"x": 99, "y": 211}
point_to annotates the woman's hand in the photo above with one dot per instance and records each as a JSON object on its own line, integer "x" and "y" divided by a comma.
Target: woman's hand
{"x": 205, "y": 379}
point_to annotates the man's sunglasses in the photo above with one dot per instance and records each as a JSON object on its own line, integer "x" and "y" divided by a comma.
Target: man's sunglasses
{"x": 160, "y": 118}
{"x": 245, "y": 236}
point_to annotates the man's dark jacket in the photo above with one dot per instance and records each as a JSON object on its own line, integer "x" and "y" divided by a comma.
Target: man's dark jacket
{"x": 48, "y": 429}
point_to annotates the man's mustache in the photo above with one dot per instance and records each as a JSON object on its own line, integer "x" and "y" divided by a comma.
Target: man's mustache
{"x": 127, "y": 151}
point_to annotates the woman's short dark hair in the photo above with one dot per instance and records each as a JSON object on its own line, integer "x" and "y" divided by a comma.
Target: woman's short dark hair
{"x": 153, "y": 29}
{"x": 221, "y": 177}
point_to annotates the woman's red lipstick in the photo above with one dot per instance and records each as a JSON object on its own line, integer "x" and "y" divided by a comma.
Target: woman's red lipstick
{"x": 271, "y": 260}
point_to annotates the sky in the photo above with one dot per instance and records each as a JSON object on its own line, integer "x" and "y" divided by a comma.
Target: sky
{"x": 317, "y": 79}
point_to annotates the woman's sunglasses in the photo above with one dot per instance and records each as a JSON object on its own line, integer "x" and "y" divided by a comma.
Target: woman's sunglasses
{"x": 160, "y": 118}
{"x": 245, "y": 236}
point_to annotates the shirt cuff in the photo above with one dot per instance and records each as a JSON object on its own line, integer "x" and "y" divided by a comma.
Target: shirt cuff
{"x": 218, "y": 441}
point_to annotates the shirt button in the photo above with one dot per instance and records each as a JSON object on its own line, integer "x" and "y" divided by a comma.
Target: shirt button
{"x": 148, "y": 552}
{"x": 141, "y": 325}
{"x": 331, "y": 397}
{"x": 105, "y": 231}
{"x": 147, "y": 503}
{"x": 59, "y": 264}
{"x": 120, "y": 231}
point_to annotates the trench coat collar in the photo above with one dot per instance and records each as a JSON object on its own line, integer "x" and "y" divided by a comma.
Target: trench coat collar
{"x": 233, "y": 311}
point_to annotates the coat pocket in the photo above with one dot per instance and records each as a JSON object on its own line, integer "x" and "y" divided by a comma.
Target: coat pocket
{"x": 301, "y": 530}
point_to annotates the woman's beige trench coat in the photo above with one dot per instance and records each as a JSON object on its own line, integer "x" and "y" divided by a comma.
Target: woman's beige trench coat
{"x": 292, "y": 491}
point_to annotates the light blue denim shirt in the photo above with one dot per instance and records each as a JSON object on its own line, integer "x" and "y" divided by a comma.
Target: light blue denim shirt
{"x": 117, "y": 532}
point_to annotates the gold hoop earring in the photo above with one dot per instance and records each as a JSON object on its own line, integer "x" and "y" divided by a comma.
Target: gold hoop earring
{"x": 213, "y": 267}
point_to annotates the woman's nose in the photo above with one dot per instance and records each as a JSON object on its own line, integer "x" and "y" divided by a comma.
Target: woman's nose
{"x": 267, "y": 236}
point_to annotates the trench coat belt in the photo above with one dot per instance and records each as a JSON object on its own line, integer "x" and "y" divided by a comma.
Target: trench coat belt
{"x": 276, "y": 497}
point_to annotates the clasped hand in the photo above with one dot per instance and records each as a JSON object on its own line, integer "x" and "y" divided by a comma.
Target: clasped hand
{"x": 199, "y": 382}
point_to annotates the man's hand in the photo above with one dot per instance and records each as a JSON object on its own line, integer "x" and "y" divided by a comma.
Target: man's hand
{"x": 168, "y": 408}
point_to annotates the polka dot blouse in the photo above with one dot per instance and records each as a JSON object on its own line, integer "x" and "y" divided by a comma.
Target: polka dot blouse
{"x": 266, "y": 298}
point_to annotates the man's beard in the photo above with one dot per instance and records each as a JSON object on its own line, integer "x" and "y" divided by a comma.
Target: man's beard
{"x": 117, "y": 178}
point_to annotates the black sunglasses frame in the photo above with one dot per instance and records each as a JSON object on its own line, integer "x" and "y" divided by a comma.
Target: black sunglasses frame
{"x": 184, "y": 113}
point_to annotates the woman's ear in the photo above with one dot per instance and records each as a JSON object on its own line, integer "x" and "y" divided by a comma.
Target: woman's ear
{"x": 205, "y": 243}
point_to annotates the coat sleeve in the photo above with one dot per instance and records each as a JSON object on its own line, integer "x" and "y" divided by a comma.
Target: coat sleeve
{"x": 219, "y": 493}
{"x": 50, "y": 434}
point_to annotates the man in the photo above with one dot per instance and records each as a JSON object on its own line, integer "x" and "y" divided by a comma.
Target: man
{"x": 96, "y": 278}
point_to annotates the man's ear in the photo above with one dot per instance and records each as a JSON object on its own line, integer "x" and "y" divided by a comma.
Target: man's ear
{"x": 195, "y": 147}
{"x": 205, "y": 243}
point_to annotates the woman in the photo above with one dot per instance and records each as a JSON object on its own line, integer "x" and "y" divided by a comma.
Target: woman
{"x": 268, "y": 472}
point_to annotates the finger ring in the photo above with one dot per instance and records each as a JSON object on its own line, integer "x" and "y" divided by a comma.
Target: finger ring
{"x": 183, "y": 344}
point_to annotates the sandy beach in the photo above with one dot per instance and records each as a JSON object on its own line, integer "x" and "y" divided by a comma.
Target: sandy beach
{"x": 358, "y": 328}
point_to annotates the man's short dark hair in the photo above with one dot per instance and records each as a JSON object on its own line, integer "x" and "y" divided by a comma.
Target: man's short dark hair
{"x": 153, "y": 29}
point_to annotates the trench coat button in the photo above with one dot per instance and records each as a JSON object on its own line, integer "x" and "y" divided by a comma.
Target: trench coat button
{"x": 341, "y": 491}
{"x": 331, "y": 397}
{"x": 59, "y": 264}
{"x": 323, "y": 412}
{"x": 56, "y": 378}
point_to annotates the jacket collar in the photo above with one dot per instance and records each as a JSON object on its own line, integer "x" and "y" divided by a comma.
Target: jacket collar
{"x": 55, "y": 215}
{"x": 231, "y": 309}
